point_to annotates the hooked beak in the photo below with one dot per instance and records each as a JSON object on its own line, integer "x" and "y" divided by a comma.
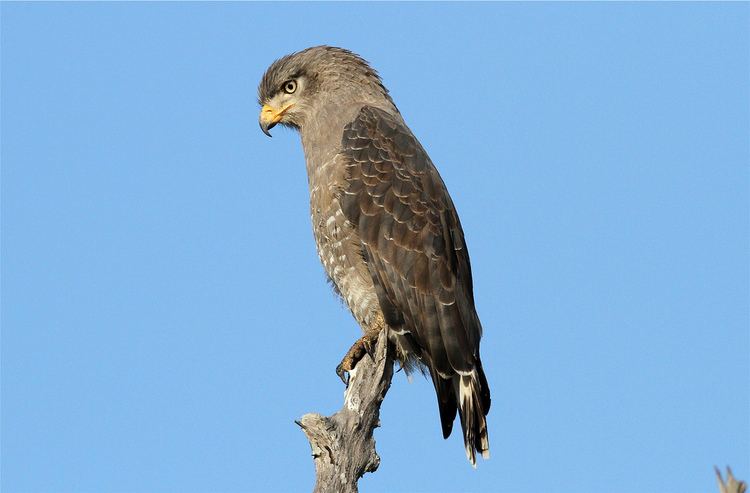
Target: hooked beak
{"x": 270, "y": 116}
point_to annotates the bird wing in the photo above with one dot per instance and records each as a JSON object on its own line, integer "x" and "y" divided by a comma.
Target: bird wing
{"x": 411, "y": 239}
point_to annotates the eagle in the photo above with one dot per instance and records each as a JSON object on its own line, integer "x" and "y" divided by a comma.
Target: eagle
{"x": 385, "y": 227}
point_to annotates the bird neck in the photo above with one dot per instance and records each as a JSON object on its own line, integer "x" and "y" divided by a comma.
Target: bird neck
{"x": 322, "y": 130}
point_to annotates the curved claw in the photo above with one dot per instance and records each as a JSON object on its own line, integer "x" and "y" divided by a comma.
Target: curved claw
{"x": 343, "y": 374}
{"x": 362, "y": 346}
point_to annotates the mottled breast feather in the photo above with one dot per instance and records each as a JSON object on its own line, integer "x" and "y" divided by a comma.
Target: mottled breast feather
{"x": 413, "y": 244}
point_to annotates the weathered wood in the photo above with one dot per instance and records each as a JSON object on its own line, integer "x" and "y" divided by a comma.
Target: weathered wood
{"x": 731, "y": 485}
{"x": 343, "y": 447}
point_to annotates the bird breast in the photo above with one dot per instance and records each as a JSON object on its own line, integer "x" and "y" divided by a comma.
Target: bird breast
{"x": 339, "y": 246}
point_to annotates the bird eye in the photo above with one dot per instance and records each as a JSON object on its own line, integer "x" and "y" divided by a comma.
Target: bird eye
{"x": 290, "y": 86}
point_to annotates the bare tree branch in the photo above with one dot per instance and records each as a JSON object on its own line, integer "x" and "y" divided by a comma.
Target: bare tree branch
{"x": 343, "y": 447}
{"x": 731, "y": 485}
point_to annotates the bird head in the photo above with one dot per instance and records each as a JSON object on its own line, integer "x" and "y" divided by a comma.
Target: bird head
{"x": 295, "y": 85}
{"x": 284, "y": 95}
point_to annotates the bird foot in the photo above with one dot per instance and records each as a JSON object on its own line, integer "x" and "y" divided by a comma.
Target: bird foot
{"x": 363, "y": 345}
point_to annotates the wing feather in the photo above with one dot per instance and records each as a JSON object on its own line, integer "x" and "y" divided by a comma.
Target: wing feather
{"x": 407, "y": 222}
{"x": 415, "y": 251}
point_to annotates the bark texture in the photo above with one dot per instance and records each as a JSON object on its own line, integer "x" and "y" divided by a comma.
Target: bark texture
{"x": 731, "y": 485}
{"x": 343, "y": 447}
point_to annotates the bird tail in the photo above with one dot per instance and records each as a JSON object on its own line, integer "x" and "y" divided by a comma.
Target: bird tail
{"x": 473, "y": 395}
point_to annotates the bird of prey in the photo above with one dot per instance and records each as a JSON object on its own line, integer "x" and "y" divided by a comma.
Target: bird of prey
{"x": 385, "y": 227}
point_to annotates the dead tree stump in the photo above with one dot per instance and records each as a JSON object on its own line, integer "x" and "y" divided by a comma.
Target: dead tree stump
{"x": 343, "y": 447}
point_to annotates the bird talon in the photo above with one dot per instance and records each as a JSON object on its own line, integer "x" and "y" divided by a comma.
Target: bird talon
{"x": 363, "y": 345}
{"x": 343, "y": 374}
{"x": 368, "y": 343}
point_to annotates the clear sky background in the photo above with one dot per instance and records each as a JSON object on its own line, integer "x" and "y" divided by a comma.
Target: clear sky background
{"x": 164, "y": 314}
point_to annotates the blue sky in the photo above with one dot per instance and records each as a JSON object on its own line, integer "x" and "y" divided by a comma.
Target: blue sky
{"x": 165, "y": 317}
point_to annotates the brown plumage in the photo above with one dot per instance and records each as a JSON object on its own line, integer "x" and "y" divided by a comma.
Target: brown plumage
{"x": 386, "y": 229}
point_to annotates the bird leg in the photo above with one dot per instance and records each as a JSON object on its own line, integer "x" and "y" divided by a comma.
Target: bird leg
{"x": 363, "y": 345}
